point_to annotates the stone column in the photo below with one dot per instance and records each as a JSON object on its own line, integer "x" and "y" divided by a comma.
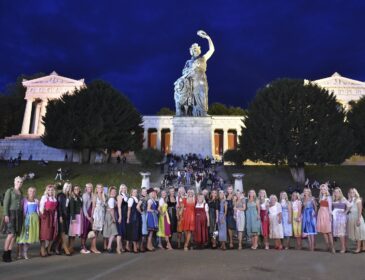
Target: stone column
{"x": 41, "y": 127}
{"x": 238, "y": 183}
{"x": 37, "y": 113}
{"x": 158, "y": 140}
{"x": 213, "y": 142}
{"x": 145, "y": 138}
{"x": 171, "y": 138}
{"x": 145, "y": 179}
{"x": 225, "y": 140}
{"x": 27, "y": 117}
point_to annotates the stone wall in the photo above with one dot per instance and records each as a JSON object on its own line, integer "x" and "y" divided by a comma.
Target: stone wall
{"x": 11, "y": 148}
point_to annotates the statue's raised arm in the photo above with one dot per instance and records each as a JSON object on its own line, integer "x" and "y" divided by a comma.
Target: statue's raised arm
{"x": 211, "y": 50}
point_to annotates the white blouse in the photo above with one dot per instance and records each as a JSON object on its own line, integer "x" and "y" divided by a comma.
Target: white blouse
{"x": 130, "y": 201}
{"x": 296, "y": 205}
{"x": 275, "y": 209}
{"x": 44, "y": 200}
{"x": 263, "y": 205}
{"x": 202, "y": 205}
{"x": 111, "y": 203}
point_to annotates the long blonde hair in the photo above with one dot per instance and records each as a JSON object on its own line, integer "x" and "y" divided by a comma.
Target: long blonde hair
{"x": 67, "y": 188}
{"x": 340, "y": 192}
{"x": 357, "y": 195}
{"x": 254, "y": 194}
{"x": 103, "y": 198}
{"x": 265, "y": 195}
{"x": 325, "y": 188}
{"x": 50, "y": 187}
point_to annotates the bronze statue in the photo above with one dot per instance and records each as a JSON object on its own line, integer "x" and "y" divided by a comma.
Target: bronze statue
{"x": 191, "y": 89}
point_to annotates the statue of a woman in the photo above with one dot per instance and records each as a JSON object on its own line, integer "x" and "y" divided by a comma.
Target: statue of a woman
{"x": 194, "y": 83}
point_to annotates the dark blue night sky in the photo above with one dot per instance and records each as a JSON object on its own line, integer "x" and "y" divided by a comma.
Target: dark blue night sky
{"x": 140, "y": 47}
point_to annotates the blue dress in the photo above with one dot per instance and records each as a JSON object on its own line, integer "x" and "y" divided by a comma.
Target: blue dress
{"x": 133, "y": 229}
{"x": 152, "y": 217}
{"x": 253, "y": 223}
{"x": 287, "y": 228}
{"x": 309, "y": 219}
{"x": 222, "y": 225}
{"x": 144, "y": 217}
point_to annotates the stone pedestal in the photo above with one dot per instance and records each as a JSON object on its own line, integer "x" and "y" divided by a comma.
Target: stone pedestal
{"x": 238, "y": 182}
{"x": 192, "y": 135}
{"x": 145, "y": 179}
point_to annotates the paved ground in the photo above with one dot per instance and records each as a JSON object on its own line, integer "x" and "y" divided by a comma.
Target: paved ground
{"x": 195, "y": 264}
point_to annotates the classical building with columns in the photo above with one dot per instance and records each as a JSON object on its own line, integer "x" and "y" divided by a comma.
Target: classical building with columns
{"x": 208, "y": 136}
{"x": 345, "y": 89}
{"x": 38, "y": 92}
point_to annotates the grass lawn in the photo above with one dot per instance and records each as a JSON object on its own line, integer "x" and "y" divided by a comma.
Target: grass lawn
{"x": 276, "y": 179}
{"x": 107, "y": 174}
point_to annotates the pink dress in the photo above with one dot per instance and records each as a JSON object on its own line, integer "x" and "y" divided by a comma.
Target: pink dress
{"x": 324, "y": 224}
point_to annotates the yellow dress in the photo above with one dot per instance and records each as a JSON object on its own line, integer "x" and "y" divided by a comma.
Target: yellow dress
{"x": 164, "y": 229}
{"x": 297, "y": 226}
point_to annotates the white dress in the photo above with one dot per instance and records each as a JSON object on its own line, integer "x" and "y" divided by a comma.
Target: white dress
{"x": 276, "y": 229}
{"x": 99, "y": 214}
{"x": 240, "y": 216}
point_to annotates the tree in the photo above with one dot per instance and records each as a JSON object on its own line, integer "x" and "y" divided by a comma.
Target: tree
{"x": 234, "y": 156}
{"x": 164, "y": 111}
{"x": 219, "y": 109}
{"x": 292, "y": 123}
{"x": 12, "y": 106}
{"x": 149, "y": 157}
{"x": 356, "y": 119}
{"x": 94, "y": 118}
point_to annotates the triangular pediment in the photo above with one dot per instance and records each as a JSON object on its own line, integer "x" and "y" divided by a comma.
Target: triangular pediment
{"x": 337, "y": 80}
{"x": 53, "y": 79}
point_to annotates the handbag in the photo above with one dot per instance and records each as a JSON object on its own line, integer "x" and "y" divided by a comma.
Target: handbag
{"x": 215, "y": 232}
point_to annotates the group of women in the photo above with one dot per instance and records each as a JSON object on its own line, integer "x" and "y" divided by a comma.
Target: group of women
{"x": 144, "y": 221}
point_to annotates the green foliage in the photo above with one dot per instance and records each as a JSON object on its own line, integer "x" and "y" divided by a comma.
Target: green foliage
{"x": 289, "y": 122}
{"x": 356, "y": 119}
{"x": 12, "y": 106}
{"x": 164, "y": 111}
{"x": 149, "y": 157}
{"x": 219, "y": 109}
{"x": 96, "y": 117}
{"x": 234, "y": 156}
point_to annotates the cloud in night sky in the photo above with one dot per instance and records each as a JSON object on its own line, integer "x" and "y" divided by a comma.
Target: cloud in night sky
{"x": 141, "y": 47}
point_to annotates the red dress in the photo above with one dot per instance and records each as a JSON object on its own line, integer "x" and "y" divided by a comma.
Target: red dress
{"x": 265, "y": 222}
{"x": 201, "y": 227}
{"x": 188, "y": 217}
{"x": 49, "y": 222}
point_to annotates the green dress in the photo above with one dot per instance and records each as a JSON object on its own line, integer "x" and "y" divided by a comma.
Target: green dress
{"x": 13, "y": 209}
{"x": 30, "y": 229}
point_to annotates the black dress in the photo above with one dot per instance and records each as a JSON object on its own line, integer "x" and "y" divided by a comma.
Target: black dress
{"x": 231, "y": 223}
{"x": 63, "y": 212}
{"x": 122, "y": 227}
{"x": 171, "y": 209}
{"x": 133, "y": 229}
{"x": 213, "y": 208}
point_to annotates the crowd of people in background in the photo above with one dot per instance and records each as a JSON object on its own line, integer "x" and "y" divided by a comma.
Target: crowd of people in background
{"x": 140, "y": 220}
